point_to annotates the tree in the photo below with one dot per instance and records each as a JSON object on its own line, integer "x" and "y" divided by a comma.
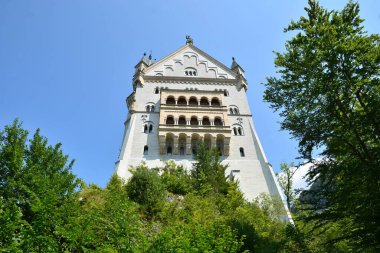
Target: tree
{"x": 38, "y": 191}
{"x": 208, "y": 172}
{"x": 285, "y": 180}
{"x": 328, "y": 94}
{"x": 146, "y": 188}
{"x": 176, "y": 178}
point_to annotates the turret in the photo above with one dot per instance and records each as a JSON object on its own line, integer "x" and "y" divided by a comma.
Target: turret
{"x": 139, "y": 71}
{"x": 242, "y": 82}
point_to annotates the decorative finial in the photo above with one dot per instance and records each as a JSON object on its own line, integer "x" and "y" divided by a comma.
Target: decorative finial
{"x": 233, "y": 58}
{"x": 150, "y": 55}
{"x": 189, "y": 40}
{"x": 144, "y": 54}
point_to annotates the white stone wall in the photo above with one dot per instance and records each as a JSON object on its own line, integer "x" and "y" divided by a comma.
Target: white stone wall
{"x": 252, "y": 170}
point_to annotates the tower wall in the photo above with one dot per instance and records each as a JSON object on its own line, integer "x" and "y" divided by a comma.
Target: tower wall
{"x": 160, "y": 128}
{"x": 251, "y": 170}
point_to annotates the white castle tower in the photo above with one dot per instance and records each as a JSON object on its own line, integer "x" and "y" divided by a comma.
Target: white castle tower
{"x": 186, "y": 97}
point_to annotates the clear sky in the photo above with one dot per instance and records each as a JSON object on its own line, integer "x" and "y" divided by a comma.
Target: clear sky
{"x": 66, "y": 66}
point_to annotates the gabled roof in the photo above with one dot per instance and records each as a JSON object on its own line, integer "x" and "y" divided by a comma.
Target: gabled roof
{"x": 191, "y": 47}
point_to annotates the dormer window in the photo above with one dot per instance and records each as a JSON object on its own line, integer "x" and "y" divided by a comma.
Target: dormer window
{"x": 190, "y": 72}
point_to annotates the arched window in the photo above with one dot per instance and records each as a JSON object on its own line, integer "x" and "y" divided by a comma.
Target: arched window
{"x": 182, "y": 150}
{"x": 242, "y": 154}
{"x": 156, "y": 90}
{"x": 170, "y": 101}
{"x": 150, "y": 128}
{"x": 226, "y": 93}
{"x": 182, "y": 144}
{"x": 170, "y": 120}
{"x": 146, "y": 128}
{"x": 182, "y": 120}
{"x": 194, "y": 121}
{"x": 220, "y": 144}
{"x": 146, "y": 149}
{"x": 238, "y": 129}
{"x": 181, "y": 101}
{"x": 190, "y": 72}
{"x": 215, "y": 102}
{"x": 193, "y": 101}
{"x": 218, "y": 121}
{"x": 169, "y": 150}
{"x": 149, "y": 107}
{"x": 206, "y": 121}
{"x": 234, "y": 110}
{"x": 204, "y": 101}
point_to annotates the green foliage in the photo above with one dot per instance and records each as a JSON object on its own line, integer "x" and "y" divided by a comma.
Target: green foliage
{"x": 45, "y": 208}
{"x": 37, "y": 189}
{"x": 208, "y": 172}
{"x": 328, "y": 93}
{"x": 189, "y": 237}
{"x": 105, "y": 221}
{"x": 146, "y": 188}
{"x": 175, "y": 178}
{"x": 285, "y": 179}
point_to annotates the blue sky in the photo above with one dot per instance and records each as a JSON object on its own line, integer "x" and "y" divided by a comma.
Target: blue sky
{"x": 66, "y": 66}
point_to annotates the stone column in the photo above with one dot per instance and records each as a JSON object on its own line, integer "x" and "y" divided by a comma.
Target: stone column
{"x": 213, "y": 142}
{"x": 188, "y": 145}
{"x": 175, "y": 145}
{"x": 162, "y": 141}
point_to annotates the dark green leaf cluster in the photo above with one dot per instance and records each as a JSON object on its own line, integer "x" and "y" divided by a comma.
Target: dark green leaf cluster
{"x": 328, "y": 94}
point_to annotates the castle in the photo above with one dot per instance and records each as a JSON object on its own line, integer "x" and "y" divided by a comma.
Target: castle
{"x": 187, "y": 97}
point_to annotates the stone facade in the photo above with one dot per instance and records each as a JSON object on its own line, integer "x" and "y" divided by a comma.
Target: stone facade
{"x": 190, "y": 96}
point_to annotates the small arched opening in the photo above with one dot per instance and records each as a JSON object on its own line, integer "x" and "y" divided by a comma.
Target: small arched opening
{"x": 193, "y": 101}
{"x": 215, "y": 102}
{"x": 170, "y": 100}
{"x": 181, "y": 101}
{"x": 194, "y": 121}
{"x": 182, "y": 120}
{"x": 204, "y": 101}
{"x": 218, "y": 121}
{"x": 170, "y": 120}
{"x": 206, "y": 121}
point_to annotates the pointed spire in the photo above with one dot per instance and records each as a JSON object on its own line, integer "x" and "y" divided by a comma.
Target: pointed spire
{"x": 143, "y": 59}
{"x": 234, "y": 63}
{"x": 150, "y": 58}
